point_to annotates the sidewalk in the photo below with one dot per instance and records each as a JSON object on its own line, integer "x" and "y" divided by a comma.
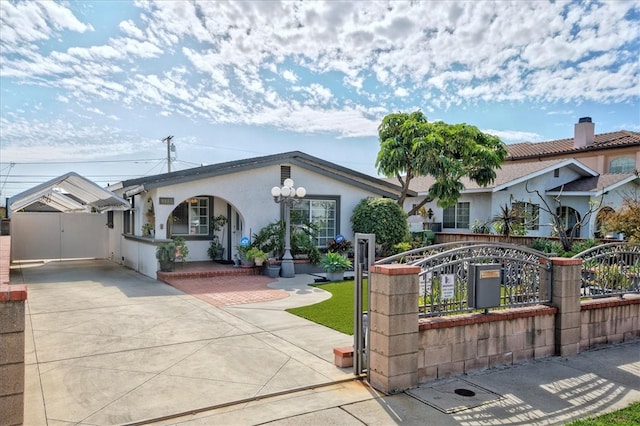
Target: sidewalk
{"x": 550, "y": 391}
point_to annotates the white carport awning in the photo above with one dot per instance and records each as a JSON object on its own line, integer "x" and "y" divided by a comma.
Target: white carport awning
{"x": 69, "y": 193}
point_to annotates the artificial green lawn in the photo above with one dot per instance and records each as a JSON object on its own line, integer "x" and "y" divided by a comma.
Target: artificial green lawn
{"x": 336, "y": 312}
{"x": 627, "y": 416}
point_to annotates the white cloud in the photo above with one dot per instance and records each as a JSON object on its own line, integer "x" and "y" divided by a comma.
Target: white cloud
{"x": 38, "y": 140}
{"x": 514, "y": 135}
{"x": 401, "y": 92}
{"x": 290, "y": 76}
{"x": 223, "y": 62}
{"x": 561, "y": 112}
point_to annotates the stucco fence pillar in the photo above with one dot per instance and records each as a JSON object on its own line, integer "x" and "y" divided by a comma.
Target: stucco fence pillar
{"x": 12, "y": 323}
{"x": 393, "y": 322}
{"x": 566, "y": 297}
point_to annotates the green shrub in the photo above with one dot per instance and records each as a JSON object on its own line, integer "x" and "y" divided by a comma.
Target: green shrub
{"x": 582, "y": 245}
{"x": 166, "y": 252}
{"x": 270, "y": 240}
{"x": 554, "y": 247}
{"x": 401, "y": 247}
{"x": 547, "y": 246}
{"x": 483, "y": 227}
{"x": 382, "y": 217}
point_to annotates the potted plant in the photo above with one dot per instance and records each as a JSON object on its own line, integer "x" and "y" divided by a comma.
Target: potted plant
{"x": 259, "y": 257}
{"x": 182, "y": 251}
{"x": 255, "y": 256}
{"x": 334, "y": 264}
{"x": 148, "y": 228}
{"x": 243, "y": 257}
{"x": 215, "y": 250}
{"x": 166, "y": 255}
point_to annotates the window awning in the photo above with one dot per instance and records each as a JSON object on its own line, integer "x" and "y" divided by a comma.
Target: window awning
{"x": 69, "y": 193}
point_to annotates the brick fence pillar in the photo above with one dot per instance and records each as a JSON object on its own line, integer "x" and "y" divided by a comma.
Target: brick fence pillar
{"x": 393, "y": 322}
{"x": 566, "y": 297}
{"x": 12, "y": 323}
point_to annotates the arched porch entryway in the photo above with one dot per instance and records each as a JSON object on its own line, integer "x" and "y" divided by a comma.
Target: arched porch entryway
{"x": 202, "y": 220}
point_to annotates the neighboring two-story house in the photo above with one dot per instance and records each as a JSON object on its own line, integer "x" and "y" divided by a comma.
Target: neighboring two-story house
{"x": 584, "y": 171}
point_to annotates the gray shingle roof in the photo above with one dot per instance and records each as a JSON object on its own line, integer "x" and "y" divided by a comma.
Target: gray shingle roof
{"x": 595, "y": 183}
{"x": 379, "y": 186}
{"x": 509, "y": 172}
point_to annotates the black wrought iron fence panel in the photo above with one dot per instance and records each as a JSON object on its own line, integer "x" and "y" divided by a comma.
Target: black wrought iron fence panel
{"x": 444, "y": 275}
{"x": 610, "y": 269}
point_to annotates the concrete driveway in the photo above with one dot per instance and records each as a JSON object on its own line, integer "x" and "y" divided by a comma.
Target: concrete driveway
{"x": 106, "y": 345}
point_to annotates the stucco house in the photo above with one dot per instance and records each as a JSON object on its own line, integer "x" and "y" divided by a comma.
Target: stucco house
{"x": 582, "y": 171}
{"x": 183, "y": 203}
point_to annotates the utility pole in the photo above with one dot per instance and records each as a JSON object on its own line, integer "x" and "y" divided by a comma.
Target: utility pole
{"x": 169, "y": 148}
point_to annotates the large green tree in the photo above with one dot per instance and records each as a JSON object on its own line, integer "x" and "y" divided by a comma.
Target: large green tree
{"x": 410, "y": 147}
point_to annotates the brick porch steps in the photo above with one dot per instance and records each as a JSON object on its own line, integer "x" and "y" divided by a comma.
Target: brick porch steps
{"x": 205, "y": 270}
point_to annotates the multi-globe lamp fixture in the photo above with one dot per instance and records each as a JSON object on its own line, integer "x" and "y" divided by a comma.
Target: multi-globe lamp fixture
{"x": 287, "y": 195}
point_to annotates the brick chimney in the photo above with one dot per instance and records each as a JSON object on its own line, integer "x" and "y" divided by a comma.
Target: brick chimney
{"x": 584, "y": 131}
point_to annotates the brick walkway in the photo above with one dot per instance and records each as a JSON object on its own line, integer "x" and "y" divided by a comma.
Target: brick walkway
{"x": 229, "y": 290}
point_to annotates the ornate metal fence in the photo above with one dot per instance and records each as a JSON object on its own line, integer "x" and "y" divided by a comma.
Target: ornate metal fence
{"x": 610, "y": 269}
{"x": 525, "y": 274}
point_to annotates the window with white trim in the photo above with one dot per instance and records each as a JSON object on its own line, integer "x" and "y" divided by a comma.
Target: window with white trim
{"x": 128, "y": 218}
{"x": 530, "y": 214}
{"x": 323, "y": 213}
{"x": 456, "y": 216}
{"x": 622, "y": 165}
{"x": 191, "y": 217}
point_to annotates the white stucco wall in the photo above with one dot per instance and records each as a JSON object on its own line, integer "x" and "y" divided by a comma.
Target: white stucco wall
{"x": 248, "y": 193}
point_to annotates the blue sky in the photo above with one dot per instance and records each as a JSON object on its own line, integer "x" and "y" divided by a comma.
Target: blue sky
{"x": 94, "y": 86}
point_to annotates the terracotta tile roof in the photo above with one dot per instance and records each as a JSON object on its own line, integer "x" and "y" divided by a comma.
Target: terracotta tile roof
{"x": 594, "y": 183}
{"x": 617, "y": 139}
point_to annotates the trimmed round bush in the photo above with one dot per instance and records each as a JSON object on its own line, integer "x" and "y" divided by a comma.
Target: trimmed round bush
{"x": 382, "y": 217}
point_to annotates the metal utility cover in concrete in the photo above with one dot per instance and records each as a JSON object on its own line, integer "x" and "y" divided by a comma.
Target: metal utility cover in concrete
{"x": 454, "y": 395}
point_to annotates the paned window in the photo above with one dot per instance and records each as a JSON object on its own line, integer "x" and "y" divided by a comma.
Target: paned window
{"x": 128, "y": 216}
{"x": 321, "y": 213}
{"x": 570, "y": 219}
{"x": 456, "y": 216}
{"x": 191, "y": 217}
{"x": 622, "y": 165}
{"x": 530, "y": 215}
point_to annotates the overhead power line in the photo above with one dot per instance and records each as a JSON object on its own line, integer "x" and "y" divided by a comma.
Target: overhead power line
{"x": 146, "y": 160}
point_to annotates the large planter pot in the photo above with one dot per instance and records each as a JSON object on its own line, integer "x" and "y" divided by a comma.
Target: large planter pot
{"x": 219, "y": 253}
{"x": 167, "y": 265}
{"x": 273, "y": 271}
{"x": 246, "y": 262}
{"x": 335, "y": 276}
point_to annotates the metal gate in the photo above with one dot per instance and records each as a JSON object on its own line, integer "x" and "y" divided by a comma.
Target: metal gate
{"x": 610, "y": 269}
{"x": 38, "y": 235}
{"x": 445, "y": 278}
{"x": 364, "y": 257}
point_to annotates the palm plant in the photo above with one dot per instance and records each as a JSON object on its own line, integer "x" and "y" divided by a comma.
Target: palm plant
{"x": 508, "y": 220}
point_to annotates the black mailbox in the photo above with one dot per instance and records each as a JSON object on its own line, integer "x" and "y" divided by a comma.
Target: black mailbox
{"x": 484, "y": 285}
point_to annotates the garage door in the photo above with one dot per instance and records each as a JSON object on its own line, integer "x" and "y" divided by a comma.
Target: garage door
{"x": 58, "y": 236}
